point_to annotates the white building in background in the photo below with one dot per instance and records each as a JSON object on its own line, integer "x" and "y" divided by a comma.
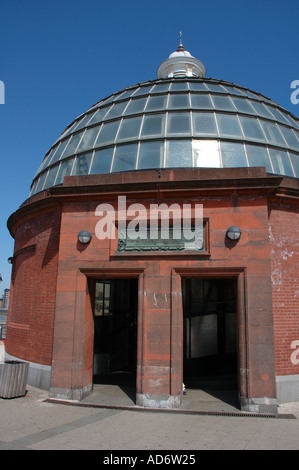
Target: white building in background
{"x": 5, "y": 299}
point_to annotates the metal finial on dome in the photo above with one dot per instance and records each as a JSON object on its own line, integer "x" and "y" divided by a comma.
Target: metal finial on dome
{"x": 181, "y": 47}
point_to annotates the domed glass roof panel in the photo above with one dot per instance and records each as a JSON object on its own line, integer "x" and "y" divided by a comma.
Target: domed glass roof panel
{"x": 175, "y": 123}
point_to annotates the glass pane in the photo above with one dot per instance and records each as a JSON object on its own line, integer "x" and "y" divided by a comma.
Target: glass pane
{"x": 69, "y": 130}
{"x": 33, "y": 188}
{"x": 71, "y": 148}
{"x": 41, "y": 182}
{"x": 178, "y": 101}
{"x": 85, "y": 120}
{"x": 229, "y": 125}
{"x": 262, "y": 110}
{"x": 151, "y": 155}
{"x": 294, "y": 122}
{"x": 290, "y": 137}
{"x": 153, "y": 125}
{"x": 160, "y": 87}
{"x": 279, "y": 116}
{"x": 144, "y": 90}
{"x": 288, "y": 119}
{"x": 82, "y": 164}
{"x": 233, "y": 155}
{"x": 179, "y": 123}
{"x": 125, "y": 157}
{"x": 272, "y": 133}
{"x": 99, "y": 299}
{"x": 156, "y": 103}
{"x": 204, "y": 124}
{"x": 51, "y": 176}
{"x": 198, "y": 86}
{"x": 223, "y": 102}
{"x": 179, "y": 86}
{"x": 46, "y": 161}
{"x": 98, "y": 116}
{"x": 64, "y": 170}
{"x": 60, "y": 151}
{"x": 281, "y": 163}
{"x": 258, "y": 156}
{"x": 255, "y": 96}
{"x": 243, "y": 106}
{"x": 215, "y": 87}
{"x": 201, "y": 101}
{"x": 135, "y": 106}
{"x": 178, "y": 154}
{"x": 252, "y": 128}
{"x": 205, "y": 328}
{"x": 233, "y": 90}
{"x": 102, "y": 161}
{"x": 295, "y": 161}
{"x": 107, "y": 133}
{"x": 77, "y": 123}
{"x": 88, "y": 138}
{"x": 116, "y": 110}
{"x": 126, "y": 94}
{"x": 130, "y": 128}
{"x": 206, "y": 153}
{"x": 109, "y": 100}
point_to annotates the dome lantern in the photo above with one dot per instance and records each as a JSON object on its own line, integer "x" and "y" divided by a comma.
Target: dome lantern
{"x": 181, "y": 64}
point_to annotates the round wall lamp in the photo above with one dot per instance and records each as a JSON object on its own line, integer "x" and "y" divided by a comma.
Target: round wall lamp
{"x": 233, "y": 233}
{"x": 10, "y": 260}
{"x": 84, "y": 237}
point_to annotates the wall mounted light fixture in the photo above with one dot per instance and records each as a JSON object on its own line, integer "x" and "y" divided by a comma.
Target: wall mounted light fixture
{"x": 84, "y": 237}
{"x": 233, "y": 233}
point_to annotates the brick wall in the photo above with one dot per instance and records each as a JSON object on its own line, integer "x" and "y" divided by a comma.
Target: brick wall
{"x": 160, "y": 353}
{"x": 33, "y": 289}
{"x": 284, "y": 240}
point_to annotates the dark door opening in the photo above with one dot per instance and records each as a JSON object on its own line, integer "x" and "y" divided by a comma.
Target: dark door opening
{"x": 210, "y": 332}
{"x": 115, "y": 331}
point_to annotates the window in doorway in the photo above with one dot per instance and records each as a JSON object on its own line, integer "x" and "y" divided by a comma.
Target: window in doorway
{"x": 210, "y": 338}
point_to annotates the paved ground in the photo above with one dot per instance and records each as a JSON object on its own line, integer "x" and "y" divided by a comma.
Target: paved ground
{"x": 30, "y": 422}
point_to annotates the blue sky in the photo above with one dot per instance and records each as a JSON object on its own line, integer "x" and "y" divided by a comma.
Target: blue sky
{"x": 60, "y": 57}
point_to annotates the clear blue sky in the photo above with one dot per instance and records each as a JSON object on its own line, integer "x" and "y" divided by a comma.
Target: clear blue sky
{"x": 60, "y": 57}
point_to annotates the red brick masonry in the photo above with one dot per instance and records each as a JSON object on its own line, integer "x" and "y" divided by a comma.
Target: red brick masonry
{"x": 50, "y": 318}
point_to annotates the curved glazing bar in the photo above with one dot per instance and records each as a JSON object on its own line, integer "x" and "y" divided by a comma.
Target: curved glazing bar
{"x": 183, "y": 153}
{"x": 216, "y": 122}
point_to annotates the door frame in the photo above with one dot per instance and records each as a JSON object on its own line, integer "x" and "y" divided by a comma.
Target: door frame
{"x": 177, "y": 320}
{"x": 117, "y": 273}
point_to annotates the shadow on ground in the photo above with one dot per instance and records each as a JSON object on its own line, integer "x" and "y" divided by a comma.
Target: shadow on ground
{"x": 209, "y": 394}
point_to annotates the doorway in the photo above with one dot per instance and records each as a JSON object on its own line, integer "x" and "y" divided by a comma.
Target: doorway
{"x": 115, "y": 333}
{"x": 210, "y": 335}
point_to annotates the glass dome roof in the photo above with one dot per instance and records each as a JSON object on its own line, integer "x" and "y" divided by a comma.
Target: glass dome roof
{"x": 173, "y": 123}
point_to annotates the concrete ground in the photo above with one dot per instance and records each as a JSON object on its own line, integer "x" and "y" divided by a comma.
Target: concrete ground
{"x": 32, "y": 422}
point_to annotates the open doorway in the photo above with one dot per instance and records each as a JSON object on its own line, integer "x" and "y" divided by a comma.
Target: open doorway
{"x": 115, "y": 333}
{"x": 210, "y": 336}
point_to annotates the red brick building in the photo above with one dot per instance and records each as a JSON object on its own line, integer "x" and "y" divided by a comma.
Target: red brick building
{"x": 166, "y": 312}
